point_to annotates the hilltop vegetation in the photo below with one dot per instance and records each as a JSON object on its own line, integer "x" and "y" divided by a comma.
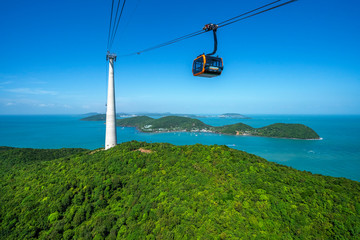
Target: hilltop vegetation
{"x": 138, "y": 122}
{"x": 279, "y": 130}
{"x": 12, "y": 157}
{"x": 164, "y": 124}
{"x": 175, "y": 123}
{"x": 160, "y": 191}
{"x": 284, "y": 130}
{"x": 234, "y": 129}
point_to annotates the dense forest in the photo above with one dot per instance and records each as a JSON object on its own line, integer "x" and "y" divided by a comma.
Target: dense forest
{"x": 139, "y": 190}
{"x": 176, "y": 123}
{"x": 170, "y": 123}
{"x": 279, "y": 130}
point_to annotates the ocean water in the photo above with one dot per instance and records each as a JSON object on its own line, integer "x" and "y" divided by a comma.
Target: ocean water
{"x": 337, "y": 154}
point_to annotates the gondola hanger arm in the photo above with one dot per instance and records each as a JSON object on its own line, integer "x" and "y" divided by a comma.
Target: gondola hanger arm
{"x": 212, "y": 27}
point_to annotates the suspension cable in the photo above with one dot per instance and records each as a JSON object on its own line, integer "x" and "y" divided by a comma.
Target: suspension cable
{"x": 222, "y": 24}
{"x": 171, "y": 42}
{"x": 252, "y": 15}
{"x": 112, "y": 31}
{"x": 112, "y": 6}
{"x": 125, "y": 27}
{"x": 243, "y": 14}
{"x": 117, "y": 24}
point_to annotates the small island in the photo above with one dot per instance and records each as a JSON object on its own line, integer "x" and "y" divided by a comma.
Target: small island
{"x": 233, "y": 115}
{"x": 97, "y": 117}
{"x": 184, "y": 124}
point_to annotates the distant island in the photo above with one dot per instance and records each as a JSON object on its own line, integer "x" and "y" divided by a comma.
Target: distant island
{"x": 97, "y": 117}
{"x": 185, "y": 124}
{"x": 233, "y": 115}
{"x": 101, "y": 117}
{"x": 89, "y": 114}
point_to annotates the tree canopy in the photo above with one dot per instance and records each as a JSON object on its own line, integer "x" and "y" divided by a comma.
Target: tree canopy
{"x": 139, "y": 190}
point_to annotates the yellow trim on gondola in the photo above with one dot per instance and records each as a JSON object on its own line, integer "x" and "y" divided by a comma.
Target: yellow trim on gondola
{"x": 204, "y": 62}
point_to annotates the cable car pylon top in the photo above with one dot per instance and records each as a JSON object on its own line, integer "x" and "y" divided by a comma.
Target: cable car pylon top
{"x": 212, "y": 27}
{"x": 110, "y": 56}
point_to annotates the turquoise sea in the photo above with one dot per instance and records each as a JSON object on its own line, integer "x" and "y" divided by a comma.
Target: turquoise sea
{"x": 337, "y": 154}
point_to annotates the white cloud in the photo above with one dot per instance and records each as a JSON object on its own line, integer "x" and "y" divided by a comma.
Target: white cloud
{"x": 31, "y": 91}
{"x": 6, "y": 83}
{"x": 45, "y": 105}
{"x": 38, "y": 82}
{"x": 67, "y": 106}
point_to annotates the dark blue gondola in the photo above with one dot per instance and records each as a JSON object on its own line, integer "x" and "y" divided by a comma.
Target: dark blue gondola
{"x": 206, "y": 65}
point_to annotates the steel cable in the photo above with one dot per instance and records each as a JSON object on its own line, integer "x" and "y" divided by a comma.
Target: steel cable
{"x": 221, "y": 24}
{"x": 117, "y": 24}
{"x": 280, "y": 5}
{"x": 112, "y": 32}
{"x": 112, "y": 7}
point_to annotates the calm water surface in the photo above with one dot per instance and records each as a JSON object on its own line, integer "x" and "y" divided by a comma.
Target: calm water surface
{"x": 337, "y": 154}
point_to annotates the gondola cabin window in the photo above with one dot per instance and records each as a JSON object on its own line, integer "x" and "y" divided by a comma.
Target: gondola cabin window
{"x": 207, "y": 66}
{"x": 198, "y": 65}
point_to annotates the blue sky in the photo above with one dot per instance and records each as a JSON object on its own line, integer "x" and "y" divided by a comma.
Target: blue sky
{"x": 302, "y": 58}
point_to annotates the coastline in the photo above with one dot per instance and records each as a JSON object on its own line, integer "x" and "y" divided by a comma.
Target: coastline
{"x": 219, "y": 133}
{"x": 337, "y": 155}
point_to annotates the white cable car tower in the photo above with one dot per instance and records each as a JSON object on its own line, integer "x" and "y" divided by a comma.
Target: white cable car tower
{"x": 110, "y": 138}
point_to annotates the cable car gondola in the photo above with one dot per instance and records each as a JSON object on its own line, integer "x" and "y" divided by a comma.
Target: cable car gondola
{"x": 206, "y": 65}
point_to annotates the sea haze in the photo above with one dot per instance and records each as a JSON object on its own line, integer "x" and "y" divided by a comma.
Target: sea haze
{"x": 337, "y": 154}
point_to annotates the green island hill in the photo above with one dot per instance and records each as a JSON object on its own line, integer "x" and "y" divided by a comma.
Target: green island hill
{"x": 139, "y": 190}
{"x": 178, "y": 124}
{"x": 97, "y": 117}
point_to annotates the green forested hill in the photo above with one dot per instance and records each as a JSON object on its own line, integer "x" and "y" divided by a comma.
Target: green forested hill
{"x": 176, "y": 123}
{"x": 279, "y": 130}
{"x": 97, "y": 117}
{"x": 10, "y": 156}
{"x": 169, "y": 123}
{"x": 287, "y": 131}
{"x": 160, "y": 191}
{"x": 234, "y": 129}
{"x": 139, "y": 121}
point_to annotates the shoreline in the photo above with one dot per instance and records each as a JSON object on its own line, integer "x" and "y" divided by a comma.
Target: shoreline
{"x": 227, "y": 134}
